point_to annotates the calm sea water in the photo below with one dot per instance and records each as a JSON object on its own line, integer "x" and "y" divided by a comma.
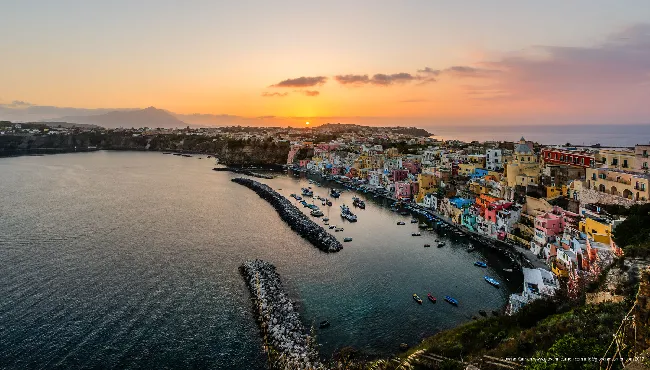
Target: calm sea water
{"x": 130, "y": 260}
{"x": 606, "y": 135}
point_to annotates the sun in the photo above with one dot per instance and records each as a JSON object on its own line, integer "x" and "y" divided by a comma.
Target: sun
{"x": 306, "y": 123}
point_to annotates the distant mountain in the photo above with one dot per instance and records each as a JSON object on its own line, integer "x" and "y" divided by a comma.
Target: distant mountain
{"x": 148, "y": 117}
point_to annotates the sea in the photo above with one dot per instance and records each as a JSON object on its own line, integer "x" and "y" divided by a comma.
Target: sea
{"x": 130, "y": 260}
{"x": 585, "y": 135}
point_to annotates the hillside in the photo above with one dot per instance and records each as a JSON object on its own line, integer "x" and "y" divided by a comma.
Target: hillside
{"x": 149, "y": 117}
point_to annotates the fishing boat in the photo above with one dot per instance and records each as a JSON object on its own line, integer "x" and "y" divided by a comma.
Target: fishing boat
{"x": 347, "y": 239}
{"x": 422, "y": 226}
{"x": 404, "y": 213}
{"x": 338, "y": 229}
{"x": 441, "y": 244}
{"x": 332, "y": 227}
{"x": 316, "y": 213}
{"x": 324, "y": 324}
{"x": 427, "y": 245}
{"x": 347, "y": 214}
{"x": 326, "y": 219}
{"x": 451, "y": 300}
{"x": 307, "y": 192}
{"x": 417, "y": 299}
{"x": 334, "y": 193}
{"x": 358, "y": 203}
{"x": 431, "y": 298}
{"x": 298, "y": 197}
{"x": 491, "y": 281}
{"x": 507, "y": 270}
{"x": 292, "y": 195}
{"x": 328, "y": 202}
{"x": 416, "y": 234}
{"x": 480, "y": 264}
{"x": 323, "y": 203}
{"x": 401, "y": 223}
{"x": 414, "y": 221}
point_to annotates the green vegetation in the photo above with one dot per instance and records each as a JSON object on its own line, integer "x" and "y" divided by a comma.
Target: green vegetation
{"x": 633, "y": 234}
{"x": 543, "y": 329}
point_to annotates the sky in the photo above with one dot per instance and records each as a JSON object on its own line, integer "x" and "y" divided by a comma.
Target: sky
{"x": 426, "y": 62}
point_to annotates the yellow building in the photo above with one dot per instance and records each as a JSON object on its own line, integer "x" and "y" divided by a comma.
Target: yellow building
{"x": 426, "y": 184}
{"x": 599, "y": 230}
{"x": 634, "y": 186}
{"x": 467, "y": 169}
{"x": 622, "y": 159}
{"x": 553, "y": 191}
{"x": 523, "y": 169}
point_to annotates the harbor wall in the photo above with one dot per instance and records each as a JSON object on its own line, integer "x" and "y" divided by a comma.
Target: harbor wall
{"x": 297, "y": 220}
{"x": 286, "y": 342}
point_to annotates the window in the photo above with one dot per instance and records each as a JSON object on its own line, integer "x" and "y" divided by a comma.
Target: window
{"x": 615, "y": 162}
{"x": 625, "y": 163}
{"x": 593, "y": 176}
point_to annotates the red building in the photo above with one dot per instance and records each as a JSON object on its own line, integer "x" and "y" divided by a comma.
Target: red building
{"x": 568, "y": 157}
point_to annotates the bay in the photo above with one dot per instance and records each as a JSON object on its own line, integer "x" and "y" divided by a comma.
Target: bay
{"x": 130, "y": 260}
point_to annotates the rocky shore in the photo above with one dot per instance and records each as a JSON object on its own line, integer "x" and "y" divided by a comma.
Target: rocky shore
{"x": 285, "y": 339}
{"x": 297, "y": 220}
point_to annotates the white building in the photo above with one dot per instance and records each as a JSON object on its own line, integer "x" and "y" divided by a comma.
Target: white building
{"x": 493, "y": 159}
{"x": 538, "y": 283}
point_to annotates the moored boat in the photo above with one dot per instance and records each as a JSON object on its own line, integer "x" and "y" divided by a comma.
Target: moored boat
{"x": 346, "y": 214}
{"x": 480, "y": 264}
{"x": 417, "y": 299}
{"x": 491, "y": 281}
{"x": 427, "y": 245}
{"x": 347, "y": 239}
{"x": 324, "y": 324}
{"x": 401, "y": 223}
{"x": 414, "y": 221}
{"x": 358, "y": 203}
{"x": 334, "y": 193}
{"x": 431, "y": 298}
{"x": 451, "y": 300}
{"x": 415, "y": 234}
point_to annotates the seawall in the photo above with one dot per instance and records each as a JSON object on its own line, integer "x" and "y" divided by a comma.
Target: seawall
{"x": 297, "y": 220}
{"x": 285, "y": 339}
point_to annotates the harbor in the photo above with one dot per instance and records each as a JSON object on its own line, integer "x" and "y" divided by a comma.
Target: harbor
{"x": 297, "y": 220}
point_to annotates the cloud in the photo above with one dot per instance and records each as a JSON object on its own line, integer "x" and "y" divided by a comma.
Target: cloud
{"x": 311, "y": 92}
{"x": 379, "y": 79}
{"x": 274, "y": 94}
{"x": 611, "y": 78}
{"x": 352, "y": 79}
{"x": 302, "y": 82}
{"x": 385, "y": 80}
{"x": 429, "y": 71}
{"x": 467, "y": 71}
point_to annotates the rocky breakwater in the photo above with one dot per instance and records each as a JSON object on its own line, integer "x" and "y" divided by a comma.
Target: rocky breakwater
{"x": 297, "y": 220}
{"x": 285, "y": 339}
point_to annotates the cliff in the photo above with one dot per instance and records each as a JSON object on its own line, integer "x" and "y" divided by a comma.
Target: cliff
{"x": 230, "y": 152}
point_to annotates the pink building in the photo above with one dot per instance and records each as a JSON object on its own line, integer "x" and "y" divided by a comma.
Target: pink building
{"x": 402, "y": 190}
{"x": 412, "y": 166}
{"x": 400, "y": 175}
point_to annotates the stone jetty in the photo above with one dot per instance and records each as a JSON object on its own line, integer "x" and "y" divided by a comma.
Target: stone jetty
{"x": 244, "y": 172}
{"x": 285, "y": 339}
{"x": 297, "y": 220}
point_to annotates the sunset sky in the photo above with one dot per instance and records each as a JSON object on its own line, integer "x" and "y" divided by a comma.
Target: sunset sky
{"x": 357, "y": 61}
